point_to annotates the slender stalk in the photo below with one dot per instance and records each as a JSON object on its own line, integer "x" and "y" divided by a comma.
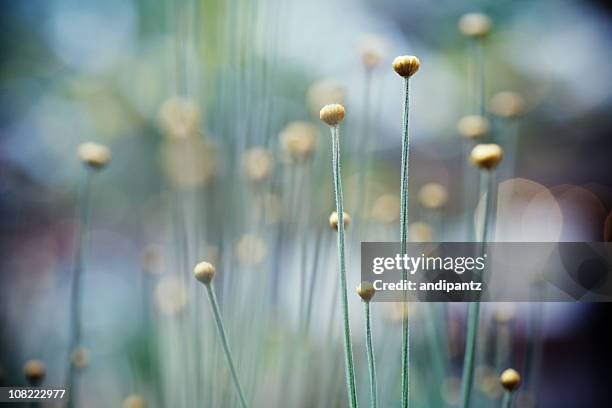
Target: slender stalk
{"x": 313, "y": 281}
{"x": 226, "y": 348}
{"x": 434, "y": 338}
{"x": 403, "y": 240}
{"x": 470, "y": 348}
{"x": 370, "y": 353}
{"x": 473, "y": 318}
{"x": 476, "y": 76}
{"x": 479, "y": 51}
{"x": 364, "y": 152}
{"x": 75, "y": 289}
{"x": 533, "y": 352}
{"x": 507, "y": 399}
{"x": 348, "y": 349}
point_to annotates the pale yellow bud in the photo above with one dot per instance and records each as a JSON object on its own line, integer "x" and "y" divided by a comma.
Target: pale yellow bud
{"x": 507, "y": 105}
{"x": 94, "y": 155}
{"x": 80, "y": 358}
{"x": 34, "y": 371}
{"x": 406, "y": 65}
{"x": 333, "y": 220}
{"x": 332, "y": 114}
{"x": 134, "y": 401}
{"x": 366, "y": 291}
{"x": 473, "y": 127}
{"x": 179, "y": 117}
{"x": 510, "y": 379}
{"x": 204, "y": 272}
{"x": 258, "y": 164}
{"x": 486, "y": 156}
{"x": 433, "y": 196}
{"x": 475, "y": 25}
{"x": 299, "y": 140}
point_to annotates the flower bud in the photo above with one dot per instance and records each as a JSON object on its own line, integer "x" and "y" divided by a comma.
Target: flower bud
{"x": 473, "y": 127}
{"x": 507, "y": 105}
{"x": 475, "y": 25}
{"x": 486, "y": 156}
{"x": 258, "y": 164}
{"x": 80, "y": 358}
{"x": 134, "y": 401}
{"x": 332, "y": 114}
{"x": 34, "y": 371}
{"x": 510, "y": 380}
{"x": 204, "y": 272}
{"x": 299, "y": 140}
{"x": 406, "y": 65}
{"x": 94, "y": 155}
{"x": 366, "y": 291}
{"x": 333, "y": 220}
{"x": 433, "y": 196}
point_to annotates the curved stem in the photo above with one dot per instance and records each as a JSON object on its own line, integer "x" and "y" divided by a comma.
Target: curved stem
{"x": 474, "y": 307}
{"x": 348, "y": 349}
{"x": 403, "y": 240}
{"x": 75, "y": 288}
{"x": 470, "y": 349}
{"x": 226, "y": 348}
{"x": 370, "y": 353}
{"x": 507, "y": 400}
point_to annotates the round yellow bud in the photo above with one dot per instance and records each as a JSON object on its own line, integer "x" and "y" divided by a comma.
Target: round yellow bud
{"x": 486, "y": 156}
{"x": 386, "y": 208}
{"x": 171, "y": 296}
{"x": 372, "y": 48}
{"x": 473, "y": 126}
{"x": 420, "y": 232}
{"x": 299, "y": 140}
{"x": 134, "y": 401}
{"x": 324, "y": 92}
{"x": 406, "y": 65}
{"x": 433, "y": 196}
{"x": 251, "y": 250}
{"x": 179, "y": 117}
{"x": 366, "y": 291}
{"x": 475, "y": 25}
{"x": 332, "y": 114}
{"x": 34, "y": 371}
{"x": 507, "y": 105}
{"x": 510, "y": 379}
{"x": 258, "y": 164}
{"x": 504, "y": 313}
{"x": 80, "y": 358}
{"x": 151, "y": 259}
{"x": 204, "y": 272}
{"x": 333, "y": 220}
{"x": 94, "y": 155}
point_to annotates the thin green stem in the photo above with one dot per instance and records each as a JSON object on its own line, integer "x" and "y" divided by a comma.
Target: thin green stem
{"x": 348, "y": 348}
{"x": 364, "y": 152}
{"x": 226, "y": 348}
{"x": 470, "y": 349}
{"x": 313, "y": 280}
{"x": 403, "y": 240}
{"x": 370, "y": 353}
{"x": 479, "y": 51}
{"x": 473, "y": 317}
{"x": 507, "y": 399}
{"x": 75, "y": 289}
{"x": 476, "y": 76}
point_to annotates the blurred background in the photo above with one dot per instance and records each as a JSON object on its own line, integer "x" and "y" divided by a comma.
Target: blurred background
{"x": 193, "y": 97}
